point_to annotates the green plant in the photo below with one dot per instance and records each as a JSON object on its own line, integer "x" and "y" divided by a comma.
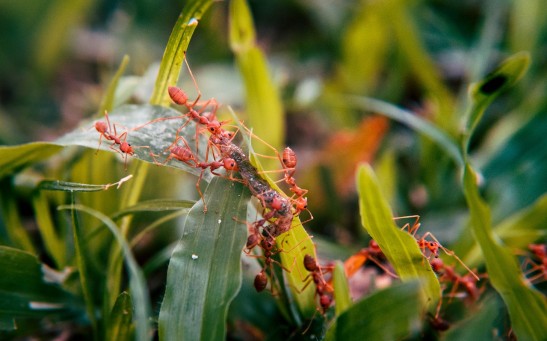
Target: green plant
{"x": 107, "y": 229}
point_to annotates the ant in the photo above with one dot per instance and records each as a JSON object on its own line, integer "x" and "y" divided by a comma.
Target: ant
{"x": 104, "y": 129}
{"x": 447, "y": 274}
{"x": 372, "y": 253}
{"x": 538, "y": 267}
{"x": 323, "y": 289}
{"x": 429, "y": 245}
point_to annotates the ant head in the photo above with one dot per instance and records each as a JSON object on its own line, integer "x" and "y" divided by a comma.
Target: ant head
{"x": 126, "y": 148}
{"x": 301, "y": 204}
{"x": 230, "y": 164}
{"x": 214, "y": 127}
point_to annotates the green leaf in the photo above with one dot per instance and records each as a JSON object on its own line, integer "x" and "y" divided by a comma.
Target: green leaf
{"x": 263, "y": 102}
{"x": 120, "y": 326}
{"x": 137, "y": 283}
{"x": 145, "y": 138}
{"x": 390, "y": 314}
{"x": 517, "y": 231}
{"x": 527, "y": 307}
{"x": 14, "y": 158}
{"x": 400, "y": 248}
{"x": 341, "y": 288}
{"x": 65, "y": 186}
{"x": 485, "y": 91}
{"x": 204, "y": 273}
{"x": 175, "y": 51}
{"x": 29, "y": 289}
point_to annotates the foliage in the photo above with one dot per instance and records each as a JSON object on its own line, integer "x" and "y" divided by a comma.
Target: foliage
{"x": 393, "y": 107}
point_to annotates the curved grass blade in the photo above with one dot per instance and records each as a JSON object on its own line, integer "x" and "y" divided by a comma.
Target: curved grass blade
{"x": 56, "y": 185}
{"x": 120, "y": 325}
{"x": 400, "y": 248}
{"x": 177, "y": 45}
{"x": 441, "y": 138}
{"x": 137, "y": 282}
{"x": 390, "y": 314}
{"x": 155, "y": 205}
{"x": 55, "y": 243}
{"x": 263, "y": 101}
{"x": 527, "y": 307}
{"x": 341, "y": 288}
{"x": 204, "y": 272}
{"x": 15, "y": 231}
{"x": 485, "y": 91}
{"x": 107, "y": 103}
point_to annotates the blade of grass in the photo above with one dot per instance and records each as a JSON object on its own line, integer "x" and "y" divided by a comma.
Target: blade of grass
{"x": 400, "y": 248}
{"x": 137, "y": 282}
{"x": 121, "y": 326}
{"x": 204, "y": 272}
{"x": 175, "y": 50}
{"x": 527, "y": 307}
{"x": 107, "y": 103}
{"x": 341, "y": 289}
{"x": 16, "y": 232}
{"x": 263, "y": 102}
{"x": 485, "y": 91}
{"x": 54, "y": 243}
{"x": 435, "y": 134}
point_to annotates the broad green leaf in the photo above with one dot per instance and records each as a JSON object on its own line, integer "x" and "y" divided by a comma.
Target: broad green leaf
{"x": 390, "y": 314}
{"x": 15, "y": 158}
{"x": 341, "y": 288}
{"x": 120, "y": 326}
{"x": 29, "y": 289}
{"x": 175, "y": 50}
{"x": 485, "y": 91}
{"x": 400, "y": 248}
{"x": 137, "y": 283}
{"x": 527, "y": 307}
{"x": 204, "y": 272}
{"x": 263, "y": 103}
{"x": 145, "y": 138}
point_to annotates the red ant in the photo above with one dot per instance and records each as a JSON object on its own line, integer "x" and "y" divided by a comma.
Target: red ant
{"x": 430, "y": 248}
{"x": 372, "y": 253}
{"x": 447, "y": 274}
{"x": 185, "y": 154}
{"x": 104, "y": 129}
{"x": 538, "y": 269}
{"x": 323, "y": 289}
{"x": 269, "y": 249}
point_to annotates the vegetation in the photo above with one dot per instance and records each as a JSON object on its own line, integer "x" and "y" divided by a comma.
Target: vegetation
{"x": 419, "y": 138}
